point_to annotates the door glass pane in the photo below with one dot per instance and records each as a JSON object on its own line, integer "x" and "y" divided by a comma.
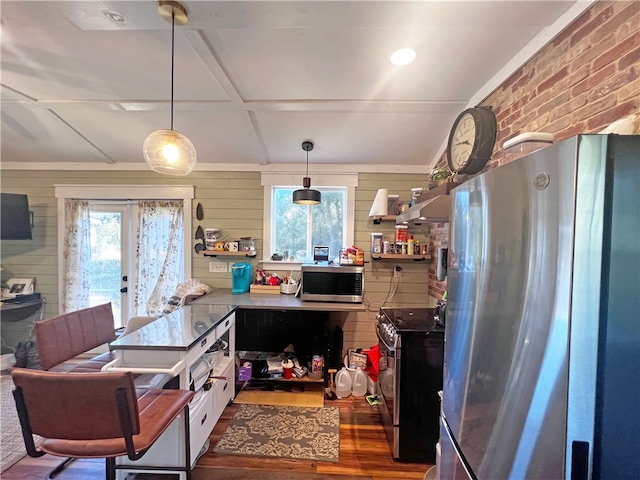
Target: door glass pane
{"x": 106, "y": 261}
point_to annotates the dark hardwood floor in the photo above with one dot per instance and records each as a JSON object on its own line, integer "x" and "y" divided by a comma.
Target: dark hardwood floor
{"x": 364, "y": 455}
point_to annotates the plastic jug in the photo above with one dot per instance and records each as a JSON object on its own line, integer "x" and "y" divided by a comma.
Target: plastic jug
{"x": 240, "y": 277}
{"x": 343, "y": 383}
{"x": 359, "y": 387}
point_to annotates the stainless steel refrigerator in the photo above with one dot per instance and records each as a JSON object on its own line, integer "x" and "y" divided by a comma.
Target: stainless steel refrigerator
{"x": 542, "y": 342}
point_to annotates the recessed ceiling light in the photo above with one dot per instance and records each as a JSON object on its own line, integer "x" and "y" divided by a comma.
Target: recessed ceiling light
{"x": 115, "y": 16}
{"x": 404, "y": 56}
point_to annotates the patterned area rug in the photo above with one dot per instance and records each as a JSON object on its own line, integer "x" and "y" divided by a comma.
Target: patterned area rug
{"x": 286, "y": 432}
{"x": 11, "y": 443}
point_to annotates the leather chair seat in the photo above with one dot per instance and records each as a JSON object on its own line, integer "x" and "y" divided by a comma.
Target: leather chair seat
{"x": 97, "y": 415}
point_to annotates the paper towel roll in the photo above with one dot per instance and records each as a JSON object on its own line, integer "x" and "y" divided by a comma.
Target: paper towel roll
{"x": 380, "y": 203}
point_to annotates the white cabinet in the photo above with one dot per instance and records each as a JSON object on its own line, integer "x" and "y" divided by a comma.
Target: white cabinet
{"x": 208, "y": 407}
{"x": 172, "y": 345}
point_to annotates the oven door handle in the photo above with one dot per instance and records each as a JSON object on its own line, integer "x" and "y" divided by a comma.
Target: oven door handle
{"x": 387, "y": 346}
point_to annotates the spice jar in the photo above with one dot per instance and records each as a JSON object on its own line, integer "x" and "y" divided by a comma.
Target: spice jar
{"x": 401, "y": 233}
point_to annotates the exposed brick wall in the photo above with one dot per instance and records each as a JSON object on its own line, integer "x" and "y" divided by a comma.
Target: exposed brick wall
{"x": 581, "y": 82}
{"x": 585, "y": 79}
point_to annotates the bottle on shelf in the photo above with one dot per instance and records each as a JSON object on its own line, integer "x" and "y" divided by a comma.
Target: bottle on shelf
{"x": 411, "y": 244}
{"x": 401, "y": 233}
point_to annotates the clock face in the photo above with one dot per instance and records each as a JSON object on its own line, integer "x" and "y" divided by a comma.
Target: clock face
{"x": 463, "y": 141}
{"x": 471, "y": 140}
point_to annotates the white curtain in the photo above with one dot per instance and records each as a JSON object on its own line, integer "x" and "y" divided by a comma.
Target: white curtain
{"x": 159, "y": 256}
{"x": 77, "y": 256}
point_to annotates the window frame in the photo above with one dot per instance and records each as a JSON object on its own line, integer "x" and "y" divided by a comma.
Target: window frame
{"x": 269, "y": 181}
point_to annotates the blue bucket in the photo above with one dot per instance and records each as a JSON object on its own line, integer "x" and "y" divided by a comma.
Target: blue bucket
{"x": 240, "y": 277}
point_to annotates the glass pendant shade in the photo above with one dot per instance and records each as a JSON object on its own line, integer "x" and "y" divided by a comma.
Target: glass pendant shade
{"x": 169, "y": 152}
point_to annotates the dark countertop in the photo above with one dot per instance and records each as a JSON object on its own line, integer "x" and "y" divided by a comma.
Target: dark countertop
{"x": 17, "y": 309}
{"x": 263, "y": 301}
{"x": 178, "y": 330}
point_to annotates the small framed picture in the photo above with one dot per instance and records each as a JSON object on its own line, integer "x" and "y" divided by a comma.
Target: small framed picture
{"x": 21, "y": 286}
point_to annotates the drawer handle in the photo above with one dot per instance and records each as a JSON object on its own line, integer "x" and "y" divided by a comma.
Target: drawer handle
{"x": 203, "y": 342}
{"x": 226, "y": 324}
{"x": 225, "y": 387}
{"x": 204, "y": 419}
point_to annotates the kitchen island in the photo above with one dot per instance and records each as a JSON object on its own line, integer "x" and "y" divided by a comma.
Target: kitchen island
{"x": 173, "y": 351}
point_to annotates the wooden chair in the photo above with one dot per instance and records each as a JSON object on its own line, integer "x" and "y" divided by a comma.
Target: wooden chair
{"x": 96, "y": 415}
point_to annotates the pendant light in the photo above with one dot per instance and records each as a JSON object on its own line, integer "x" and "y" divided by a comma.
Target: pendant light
{"x": 169, "y": 151}
{"x": 306, "y": 196}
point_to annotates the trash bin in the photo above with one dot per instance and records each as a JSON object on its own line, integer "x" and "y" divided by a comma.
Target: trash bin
{"x": 240, "y": 277}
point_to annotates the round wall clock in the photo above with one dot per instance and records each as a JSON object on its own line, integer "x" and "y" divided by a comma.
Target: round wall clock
{"x": 471, "y": 140}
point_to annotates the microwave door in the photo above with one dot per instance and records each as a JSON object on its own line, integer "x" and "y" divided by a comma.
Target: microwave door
{"x": 332, "y": 284}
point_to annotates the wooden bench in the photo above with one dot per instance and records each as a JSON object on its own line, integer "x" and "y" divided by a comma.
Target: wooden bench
{"x": 61, "y": 339}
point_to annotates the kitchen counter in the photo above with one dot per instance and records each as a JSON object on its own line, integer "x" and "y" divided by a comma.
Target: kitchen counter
{"x": 181, "y": 329}
{"x": 259, "y": 301}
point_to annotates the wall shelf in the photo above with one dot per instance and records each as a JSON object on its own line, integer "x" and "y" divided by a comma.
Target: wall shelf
{"x": 384, "y": 218}
{"x": 398, "y": 257}
{"x": 222, "y": 253}
{"x": 442, "y": 189}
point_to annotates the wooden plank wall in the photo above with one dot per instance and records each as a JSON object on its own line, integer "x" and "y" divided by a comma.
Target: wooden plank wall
{"x": 232, "y": 201}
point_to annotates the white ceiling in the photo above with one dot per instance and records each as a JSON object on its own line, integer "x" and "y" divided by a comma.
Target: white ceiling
{"x": 253, "y": 80}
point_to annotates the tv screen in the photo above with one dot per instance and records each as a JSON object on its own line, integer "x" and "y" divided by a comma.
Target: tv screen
{"x": 15, "y": 219}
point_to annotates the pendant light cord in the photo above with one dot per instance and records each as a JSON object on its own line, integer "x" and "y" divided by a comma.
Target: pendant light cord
{"x": 173, "y": 28}
{"x": 307, "y": 163}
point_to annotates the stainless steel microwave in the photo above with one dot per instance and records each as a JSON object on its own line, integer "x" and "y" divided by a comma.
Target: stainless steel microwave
{"x": 332, "y": 283}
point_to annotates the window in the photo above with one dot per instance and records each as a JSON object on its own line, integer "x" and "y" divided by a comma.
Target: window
{"x": 296, "y": 229}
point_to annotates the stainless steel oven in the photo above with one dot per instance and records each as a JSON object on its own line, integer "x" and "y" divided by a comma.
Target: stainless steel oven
{"x": 412, "y": 352}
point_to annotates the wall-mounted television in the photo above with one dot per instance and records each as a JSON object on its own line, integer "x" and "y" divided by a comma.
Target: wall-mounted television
{"x": 15, "y": 218}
